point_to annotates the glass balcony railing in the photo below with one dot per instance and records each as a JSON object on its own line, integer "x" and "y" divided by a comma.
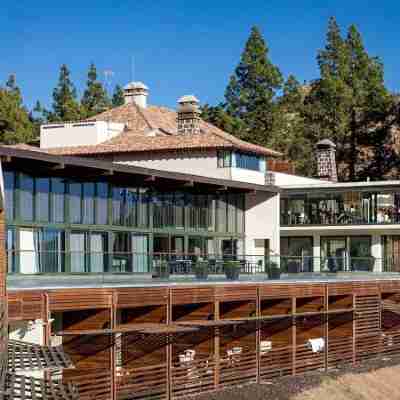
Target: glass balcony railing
{"x": 131, "y": 267}
{"x": 349, "y": 208}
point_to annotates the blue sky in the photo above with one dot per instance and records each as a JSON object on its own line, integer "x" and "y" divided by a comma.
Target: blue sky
{"x": 179, "y": 47}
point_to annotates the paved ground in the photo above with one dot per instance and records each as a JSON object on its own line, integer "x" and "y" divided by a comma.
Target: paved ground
{"x": 374, "y": 380}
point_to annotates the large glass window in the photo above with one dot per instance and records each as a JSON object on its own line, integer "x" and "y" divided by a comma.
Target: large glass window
{"x": 140, "y": 253}
{"x": 42, "y": 199}
{"x": 88, "y": 203}
{"x": 26, "y": 198}
{"x": 78, "y": 252}
{"x": 9, "y": 183}
{"x": 11, "y": 246}
{"x": 248, "y": 161}
{"x": 222, "y": 225}
{"x": 224, "y": 159}
{"x": 121, "y": 247}
{"x": 101, "y": 203}
{"x": 58, "y": 200}
{"x": 75, "y": 203}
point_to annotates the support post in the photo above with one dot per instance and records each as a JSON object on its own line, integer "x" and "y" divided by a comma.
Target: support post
{"x": 326, "y": 326}
{"x": 113, "y": 320}
{"x": 354, "y": 329}
{"x": 294, "y": 338}
{"x": 216, "y": 346}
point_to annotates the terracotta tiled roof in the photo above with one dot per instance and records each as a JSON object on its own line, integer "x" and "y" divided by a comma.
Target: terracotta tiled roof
{"x": 155, "y": 129}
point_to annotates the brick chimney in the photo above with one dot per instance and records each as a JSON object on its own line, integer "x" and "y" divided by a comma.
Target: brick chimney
{"x": 326, "y": 160}
{"x": 136, "y": 92}
{"x": 188, "y": 115}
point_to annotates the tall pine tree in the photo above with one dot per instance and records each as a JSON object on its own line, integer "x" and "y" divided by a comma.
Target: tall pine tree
{"x": 94, "y": 99}
{"x": 118, "y": 96}
{"x": 15, "y": 124}
{"x": 252, "y": 89}
{"x": 348, "y": 99}
{"x": 65, "y": 104}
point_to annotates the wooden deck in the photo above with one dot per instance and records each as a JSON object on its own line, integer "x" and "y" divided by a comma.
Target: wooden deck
{"x": 167, "y": 342}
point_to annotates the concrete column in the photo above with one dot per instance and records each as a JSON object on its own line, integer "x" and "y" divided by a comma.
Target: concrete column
{"x": 317, "y": 252}
{"x": 377, "y": 252}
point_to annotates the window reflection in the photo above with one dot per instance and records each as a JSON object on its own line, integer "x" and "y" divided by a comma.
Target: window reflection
{"x": 340, "y": 208}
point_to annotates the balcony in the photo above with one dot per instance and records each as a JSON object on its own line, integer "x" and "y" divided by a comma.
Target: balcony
{"x": 346, "y": 208}
{"x": 138, "y": 269}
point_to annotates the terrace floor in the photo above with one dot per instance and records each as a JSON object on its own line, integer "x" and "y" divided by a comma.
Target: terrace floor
{"x": 63, "y": 281}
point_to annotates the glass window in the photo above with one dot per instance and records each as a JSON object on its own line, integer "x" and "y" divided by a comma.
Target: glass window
{"x": 143, "y": 209}
{"x": 42, "y": 199}
{"x": 75, "y": 203}
{"x": 240, "y": 213}
{"x": 98, "y": 252}
{"x": 51, "y": 246}
{"x": 11, "y": 246}
{"x": 121, "y": 246}
{"x": 179, "y": 210}
{"x": 221, "y": 214}
{"x": 333, "y": 254}
{"x": 78, "y": 251}
{"x": 224, "y": 159}
{"x": 88, "y": 203}
{"x": 131, "y": 207}
{"x": 9, "y": 183}
{"x": 118, "y": 205}
{"x": 248, "y": 161}
{"x": 102, "y": 203}
{"x": 58, "y": 200}
{"x": 231, "y": 199}
{"x": 26, "y": 197}
{"x": 140, "y": 253}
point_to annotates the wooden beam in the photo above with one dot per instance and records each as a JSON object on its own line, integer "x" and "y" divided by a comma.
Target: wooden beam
{"x": 150, "y": 178}
{"x": 188, "y": 184}
{"x": 57, "y": 167}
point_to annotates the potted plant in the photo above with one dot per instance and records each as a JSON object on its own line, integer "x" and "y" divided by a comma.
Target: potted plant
{"x": 162, "y": 270}
{"x": 232, "y": 270}
{"x": 201, "y": 269}
{"x": 273, "y": 270}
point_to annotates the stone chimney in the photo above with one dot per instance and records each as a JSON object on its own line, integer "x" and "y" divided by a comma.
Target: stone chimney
{"x": 188, "y": 115}
{"x": 136, "y": 92}
{"x": 326, "y": 160}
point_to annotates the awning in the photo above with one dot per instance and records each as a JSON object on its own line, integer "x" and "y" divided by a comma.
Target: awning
{"x": 24, "y": 356}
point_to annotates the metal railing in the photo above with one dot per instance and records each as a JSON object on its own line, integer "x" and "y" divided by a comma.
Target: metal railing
{"x": 170, "y": 265}
{"x": 349, "y": 217}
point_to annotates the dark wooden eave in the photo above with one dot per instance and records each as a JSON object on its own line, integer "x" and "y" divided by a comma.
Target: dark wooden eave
{"x": 19, "y": 387}
{"x": 73, "y": 167}
{"x": 24, "y": 356}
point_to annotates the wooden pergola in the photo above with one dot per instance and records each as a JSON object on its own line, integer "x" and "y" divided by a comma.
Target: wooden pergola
{"x": 19, "y": 387}
{"x": 24, "y": 356}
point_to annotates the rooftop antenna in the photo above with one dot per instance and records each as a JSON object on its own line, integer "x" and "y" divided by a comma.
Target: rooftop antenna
{"x": 108, "y": 76}
{"x": 132, "y": 68}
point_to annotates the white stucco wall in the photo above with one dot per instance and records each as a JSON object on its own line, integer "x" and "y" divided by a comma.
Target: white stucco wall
{"x": 262, "y": 222}
{"x": 203, "y": 163}
{"x": 246, "y": 175}
{"x": 78, "y": 133}
{"x": 282, "y": 179}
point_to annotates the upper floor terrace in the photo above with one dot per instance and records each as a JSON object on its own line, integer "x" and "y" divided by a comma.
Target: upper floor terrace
{"x": 337, "y": 204}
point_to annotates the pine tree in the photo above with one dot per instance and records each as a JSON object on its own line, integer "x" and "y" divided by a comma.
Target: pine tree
{"x": 65, "y": 104}
{"x": 289, "y": 127}
{"x": 252, "y": 89}
{"x": 348, "y": 100}
{"x": 15, "y": 125}
{"x": 118, "y": 96}
{"x": 94, "y": 99}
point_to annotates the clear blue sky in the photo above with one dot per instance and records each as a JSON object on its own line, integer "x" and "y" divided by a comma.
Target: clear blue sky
{"x": 182, "y": 46}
